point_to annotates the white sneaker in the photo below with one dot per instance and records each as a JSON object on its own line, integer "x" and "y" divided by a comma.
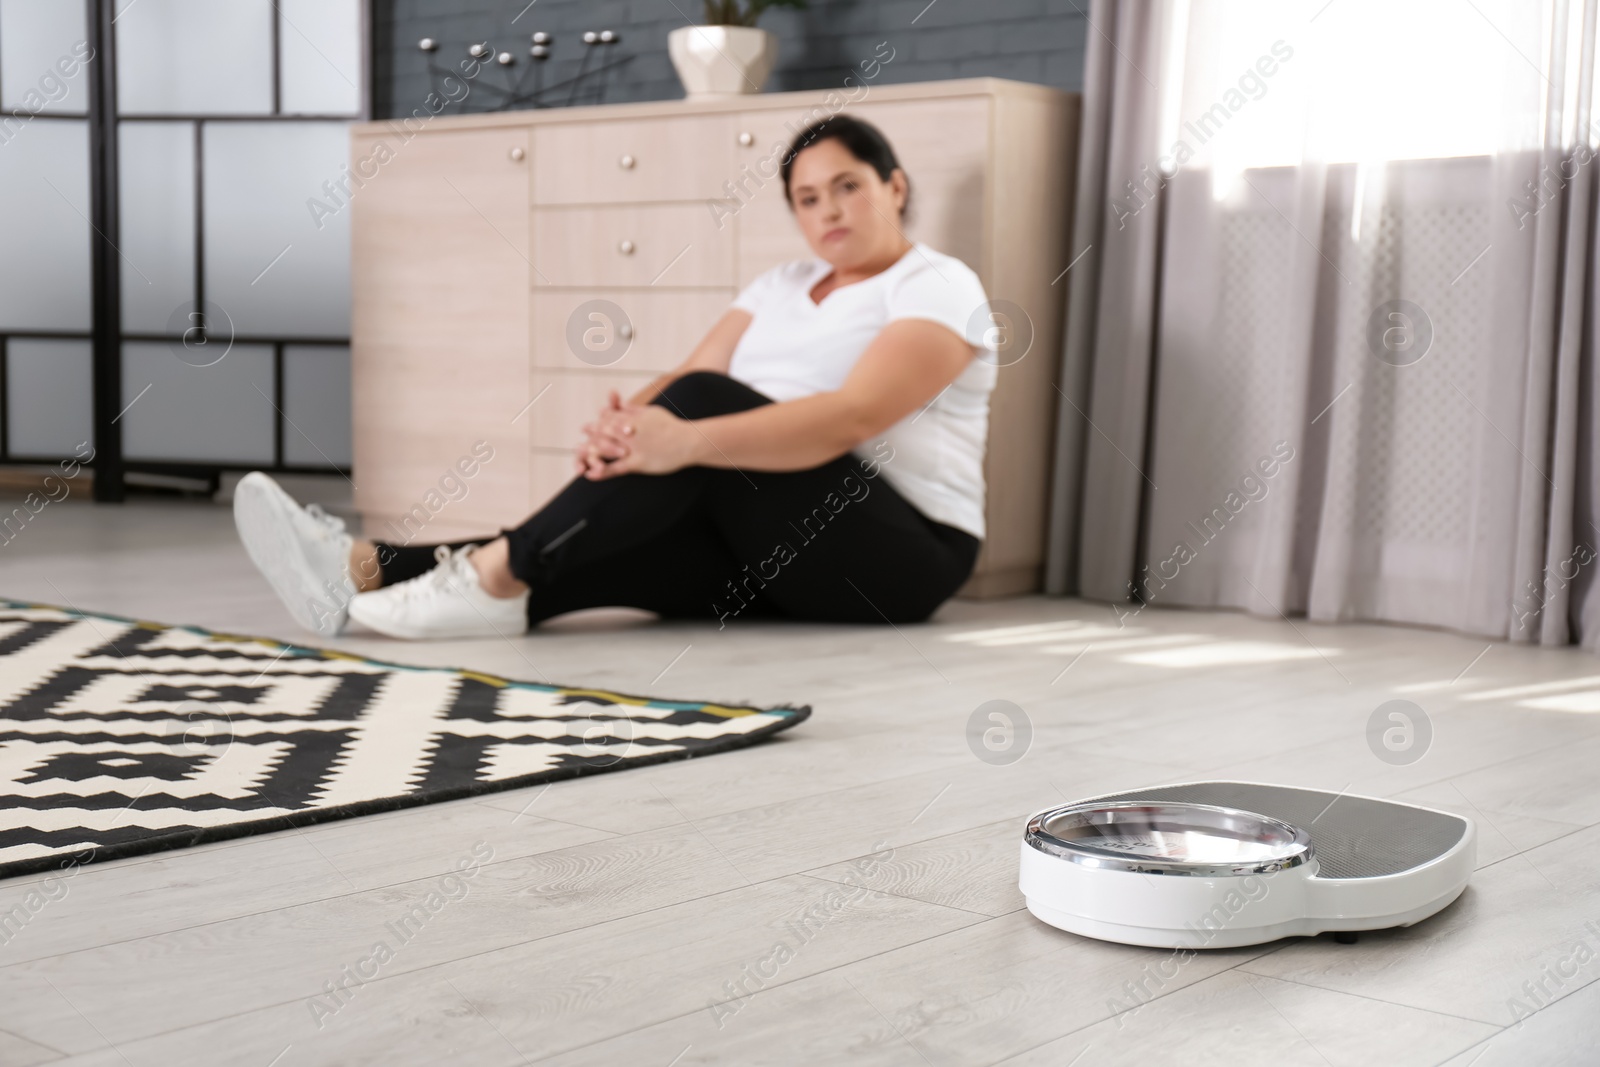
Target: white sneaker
{"x": 303, "y": 552}
{"x": 446, "y": 602}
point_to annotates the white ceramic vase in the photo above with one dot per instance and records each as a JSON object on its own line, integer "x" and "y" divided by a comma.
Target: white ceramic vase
{"x": 717, "y": 61}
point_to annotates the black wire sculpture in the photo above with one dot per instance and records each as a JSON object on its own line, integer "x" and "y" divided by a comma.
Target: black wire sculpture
{"x": 518, "y": 94}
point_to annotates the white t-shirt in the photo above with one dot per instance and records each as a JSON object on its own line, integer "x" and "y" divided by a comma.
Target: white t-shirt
{"x": 794, "y": 347}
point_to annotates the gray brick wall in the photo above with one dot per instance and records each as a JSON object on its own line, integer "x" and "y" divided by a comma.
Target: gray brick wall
{"x": 1027, "y": 40}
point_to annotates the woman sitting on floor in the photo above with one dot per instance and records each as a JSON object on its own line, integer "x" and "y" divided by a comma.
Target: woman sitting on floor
{"x": 818, "y": 456}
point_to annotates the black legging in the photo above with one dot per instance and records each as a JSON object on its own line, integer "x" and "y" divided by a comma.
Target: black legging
{"x": 835, "y": 543}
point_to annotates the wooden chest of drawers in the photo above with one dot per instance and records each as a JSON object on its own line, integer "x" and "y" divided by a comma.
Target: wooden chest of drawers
{"x": 509, "y": 269}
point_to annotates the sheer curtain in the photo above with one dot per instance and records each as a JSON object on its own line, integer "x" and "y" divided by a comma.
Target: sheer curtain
{"x": 1367, "y": 389}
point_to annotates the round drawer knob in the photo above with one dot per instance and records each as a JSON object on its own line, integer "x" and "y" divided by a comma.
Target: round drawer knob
{"x": 625, "y": 247}
{"x": 517, "y": 154}
{"x": 747, "y": 138}
{"x": 626, "y": 162}
{"x": 625, "y": 332}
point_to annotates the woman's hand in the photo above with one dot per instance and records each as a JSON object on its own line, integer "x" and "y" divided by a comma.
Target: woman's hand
{"x": 644, "y": 439}
{"x": 597, "y": 449}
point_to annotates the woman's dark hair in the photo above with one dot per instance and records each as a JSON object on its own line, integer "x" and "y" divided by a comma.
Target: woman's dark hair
{"x": 861, "y": 139}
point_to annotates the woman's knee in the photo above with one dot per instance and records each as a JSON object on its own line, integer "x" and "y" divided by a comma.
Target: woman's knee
{"x": 703, "y": 393}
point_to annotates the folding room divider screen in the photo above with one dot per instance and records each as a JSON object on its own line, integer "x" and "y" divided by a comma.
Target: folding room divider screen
{"x": 174, "y": 276}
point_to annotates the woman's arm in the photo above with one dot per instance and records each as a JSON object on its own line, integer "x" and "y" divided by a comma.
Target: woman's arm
{"x": 908, "y": 364}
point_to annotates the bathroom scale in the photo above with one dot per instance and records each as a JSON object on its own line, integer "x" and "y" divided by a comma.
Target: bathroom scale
{"x": 1223, "y": 864}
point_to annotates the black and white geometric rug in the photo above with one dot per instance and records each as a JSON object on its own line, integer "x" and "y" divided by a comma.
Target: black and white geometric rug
{"x": 119, "y": 736}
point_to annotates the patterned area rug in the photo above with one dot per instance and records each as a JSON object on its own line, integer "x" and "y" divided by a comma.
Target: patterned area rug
{"x": 119, "y": 737}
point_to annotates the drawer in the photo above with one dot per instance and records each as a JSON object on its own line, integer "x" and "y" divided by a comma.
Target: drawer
{"x": 622, "y": 329}
{"x": 671, "y": 245}
{"x": 569, "y": 399}
{"x": 685, "y": 158}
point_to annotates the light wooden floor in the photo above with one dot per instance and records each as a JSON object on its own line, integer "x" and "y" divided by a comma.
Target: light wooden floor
{"x": 655, "y": 916}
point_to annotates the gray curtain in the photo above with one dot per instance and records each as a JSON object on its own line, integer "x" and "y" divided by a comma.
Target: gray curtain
{"x": 1111, "y": 301}
{"x": 1350, "y": 391}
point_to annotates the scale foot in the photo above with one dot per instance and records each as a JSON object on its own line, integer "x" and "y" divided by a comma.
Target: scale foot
{"x": 1346, "y": 937}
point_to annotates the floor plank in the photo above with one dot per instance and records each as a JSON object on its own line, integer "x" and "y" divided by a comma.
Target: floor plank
{"x": 1290, "y": 1025}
